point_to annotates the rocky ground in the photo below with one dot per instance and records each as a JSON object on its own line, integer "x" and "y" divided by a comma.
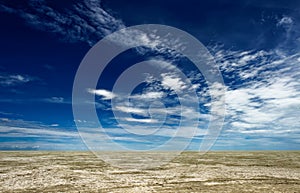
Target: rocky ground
{"x": 38, "y": 171}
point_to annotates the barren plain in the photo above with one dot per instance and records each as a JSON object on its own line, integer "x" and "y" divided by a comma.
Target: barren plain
{"x": 236, "y": 171}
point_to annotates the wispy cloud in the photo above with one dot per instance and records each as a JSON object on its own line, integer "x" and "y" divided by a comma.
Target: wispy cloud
{"x": 9, "y": 131}
{"x": 284, "y": 21}
{"x": 22, "y": 128}
{"x": 140, "y": 120}
{"x": 55, "y": 100}
{"x": 291, "y": 26}
{"x": 134, "y": 110}
{"x": 263, "y": 92}
{"x": 44, "y": 136}
{"x": 148, "y": 95}
{"x": 105, "y": 94}
{"x": 8, "y": 80}
{"x": 9, "y": 114}
{"x": 85, "y": 22}
{"x": 172, "y": 81}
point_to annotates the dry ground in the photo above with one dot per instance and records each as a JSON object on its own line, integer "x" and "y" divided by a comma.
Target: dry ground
{"x": 38, "y": 171}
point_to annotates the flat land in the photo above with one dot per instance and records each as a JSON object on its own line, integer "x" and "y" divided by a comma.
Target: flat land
{"x": 38, "y": 171}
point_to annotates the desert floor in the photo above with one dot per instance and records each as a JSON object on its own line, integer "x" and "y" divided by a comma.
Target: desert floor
{"x": 39, "y": 171}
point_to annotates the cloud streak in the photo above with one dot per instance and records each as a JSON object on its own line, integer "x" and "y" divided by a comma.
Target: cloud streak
{"x": 9, "y": 80}
{"x": 25, "y": 135}
{"x": 105, "y": 94}
{"x": 85, "y": 22}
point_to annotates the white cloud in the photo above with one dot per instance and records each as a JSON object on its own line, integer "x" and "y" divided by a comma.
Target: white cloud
{"x": 247, "y": 57}
{"x": 22, "y": 128}
{"x": 107, "y": 95}
{"x": 285, "y": 20}
{"x": 140, "y": 120}
{"x": 148, "y": 95}
{"x": 5, "y": 119}
{"x": 55, "y": 100}
{"x": 267, "y": 97}
{"x": 263, "y": 102}
{"x": 14, "y": 79}
{"x": 163, "y": 65}
{"x": 7, "y": 131}
{"x": 86, "y": 21}
{"x": 173, "y": 82}
{"x": 127, "y": 109}
{"x": 135, "y": 37}
{"x": 243, "y": 125}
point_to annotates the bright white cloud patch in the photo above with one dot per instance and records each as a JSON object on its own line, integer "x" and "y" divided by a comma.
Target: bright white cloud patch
{"x": 140, "y": 120}
{"x": 127, "y": 109}
{"x": 107, "y": 95}
{"x": 148, "y": 95}
{"x": 173, "y": 82}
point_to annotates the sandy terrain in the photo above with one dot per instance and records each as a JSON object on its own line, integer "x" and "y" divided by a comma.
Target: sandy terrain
{"x": 191, "y": 172}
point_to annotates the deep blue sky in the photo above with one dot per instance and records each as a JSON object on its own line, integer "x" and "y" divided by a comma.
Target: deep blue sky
{"x": 255, "y": 45}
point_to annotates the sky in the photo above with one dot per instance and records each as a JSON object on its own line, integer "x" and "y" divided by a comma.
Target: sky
{"x": 255, "y": 45}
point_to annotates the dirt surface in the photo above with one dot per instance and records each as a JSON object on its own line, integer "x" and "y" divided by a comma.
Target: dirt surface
{"x": 39, "y": 171}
